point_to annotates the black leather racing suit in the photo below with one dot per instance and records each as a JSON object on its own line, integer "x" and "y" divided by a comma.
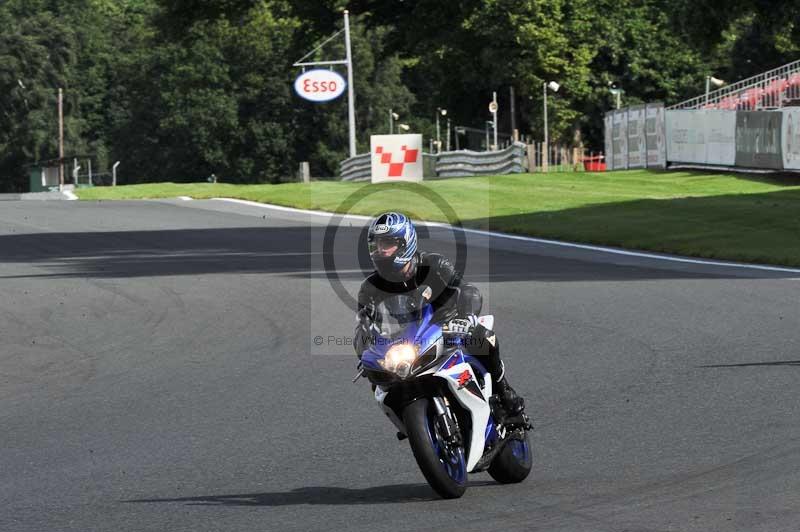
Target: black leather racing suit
{"x": 451, "y": 297}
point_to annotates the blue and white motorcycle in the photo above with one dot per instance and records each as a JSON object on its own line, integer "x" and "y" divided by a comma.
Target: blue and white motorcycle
{"x": 440, "y": 398}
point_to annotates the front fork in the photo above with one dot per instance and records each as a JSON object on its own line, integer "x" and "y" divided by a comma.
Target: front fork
{"x": 446, "y": 422}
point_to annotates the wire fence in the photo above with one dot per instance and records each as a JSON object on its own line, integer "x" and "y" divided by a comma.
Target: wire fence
{"x": 564, "y": 158}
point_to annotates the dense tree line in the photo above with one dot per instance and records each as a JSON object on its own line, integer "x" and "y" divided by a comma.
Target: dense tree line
{"x": 180, "y": 89}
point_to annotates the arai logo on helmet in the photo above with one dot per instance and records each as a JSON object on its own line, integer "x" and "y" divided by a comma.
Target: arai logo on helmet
{"x": 381, "y": 228}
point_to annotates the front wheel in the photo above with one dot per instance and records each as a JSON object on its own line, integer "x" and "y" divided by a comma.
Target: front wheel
{"x": 514, "y": 462}
{"x": 441, "y": 462}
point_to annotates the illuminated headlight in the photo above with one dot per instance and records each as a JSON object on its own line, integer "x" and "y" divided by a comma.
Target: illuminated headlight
{"x": 399, "y": 359}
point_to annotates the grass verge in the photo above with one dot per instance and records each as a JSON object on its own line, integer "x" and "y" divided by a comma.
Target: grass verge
{"x": 712, "y": 215}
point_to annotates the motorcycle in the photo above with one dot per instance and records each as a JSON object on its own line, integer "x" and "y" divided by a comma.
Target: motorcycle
{"x": 440, "y": 398}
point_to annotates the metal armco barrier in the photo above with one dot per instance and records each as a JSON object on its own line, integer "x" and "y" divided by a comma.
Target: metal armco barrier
{"x": 358, "y": 168}
{"x": 468, "y": 163}
{"x": 449, "y": 164}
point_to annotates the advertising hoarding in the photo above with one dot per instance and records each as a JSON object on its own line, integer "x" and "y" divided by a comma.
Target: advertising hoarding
{"x": 655, "y": 136}
{"x": 319, "y": 85}
{"x": 608, "y": 122}
{"x": 637, "y": 151}
{"x": 619, "y": 140}
{"x": 790, "y": 138}
{"x": 396, "y": 158}
{"x": 686, "y": 138}
{"x": 720, "y": 134}
{"x": 758, "y": 139}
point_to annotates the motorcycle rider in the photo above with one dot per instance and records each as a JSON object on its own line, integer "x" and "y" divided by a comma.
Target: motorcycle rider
{"x": 401, "y": 268}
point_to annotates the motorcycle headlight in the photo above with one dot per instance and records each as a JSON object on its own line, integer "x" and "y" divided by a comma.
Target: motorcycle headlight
{"x": 399, "y": 359}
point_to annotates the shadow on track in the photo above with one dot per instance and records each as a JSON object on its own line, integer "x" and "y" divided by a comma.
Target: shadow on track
{"x": 291, "y": 251}
{"x": 398, "y": 493}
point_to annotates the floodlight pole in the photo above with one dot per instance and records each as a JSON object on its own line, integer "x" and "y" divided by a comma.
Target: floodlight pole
{"x": 544, "y": 89}
{"x": 443, "y": 112}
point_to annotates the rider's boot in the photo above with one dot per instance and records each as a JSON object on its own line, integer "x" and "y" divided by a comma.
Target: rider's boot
{"x": 512, "y": 403}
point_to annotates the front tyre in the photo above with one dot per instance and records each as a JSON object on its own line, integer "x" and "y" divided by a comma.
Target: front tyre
{"x": 514, "y": 462}
{"x": 442, "y": 463}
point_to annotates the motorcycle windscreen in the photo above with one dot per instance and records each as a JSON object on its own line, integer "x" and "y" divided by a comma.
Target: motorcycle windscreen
{"x": 396, "y": 315}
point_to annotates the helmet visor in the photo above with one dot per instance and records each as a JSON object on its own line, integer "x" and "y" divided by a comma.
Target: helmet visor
{"x": 386, "y": 247}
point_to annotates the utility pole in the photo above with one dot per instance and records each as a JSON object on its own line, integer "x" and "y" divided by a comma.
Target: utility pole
{"x": 513, "y": 112}
{"x": 60, "y": 139}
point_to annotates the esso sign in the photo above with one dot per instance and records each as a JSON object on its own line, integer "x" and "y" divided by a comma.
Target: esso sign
{"x": 319, "y": 85}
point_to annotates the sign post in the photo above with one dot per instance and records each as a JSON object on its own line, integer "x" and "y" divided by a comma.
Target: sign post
{"x": 493, "y": 110}
{"x": 327, "y": 94}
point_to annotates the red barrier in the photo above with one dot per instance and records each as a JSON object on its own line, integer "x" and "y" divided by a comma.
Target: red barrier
{"x": 594, "y": 164}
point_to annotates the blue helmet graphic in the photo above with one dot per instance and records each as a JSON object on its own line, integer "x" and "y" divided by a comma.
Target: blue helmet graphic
{"x": 392, "y": 242}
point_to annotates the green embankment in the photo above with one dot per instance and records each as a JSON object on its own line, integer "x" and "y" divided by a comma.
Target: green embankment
{"x": 720, "y": 216}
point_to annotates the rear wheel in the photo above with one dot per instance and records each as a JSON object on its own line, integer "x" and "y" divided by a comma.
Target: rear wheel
{"x": 514, "y": 462}
{"x": 442, "y": 462}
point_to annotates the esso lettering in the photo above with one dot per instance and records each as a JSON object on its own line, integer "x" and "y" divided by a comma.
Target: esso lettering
{"x": 319, "y": 86}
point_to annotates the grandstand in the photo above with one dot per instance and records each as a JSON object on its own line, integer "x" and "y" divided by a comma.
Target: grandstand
{"x": 774, "y": 89}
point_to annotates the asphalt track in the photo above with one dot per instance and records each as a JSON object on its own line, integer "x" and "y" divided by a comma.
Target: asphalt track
{"x": 158, "y": 373}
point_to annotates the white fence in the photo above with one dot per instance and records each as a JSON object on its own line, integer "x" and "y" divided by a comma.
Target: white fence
{"x": 635, "y": 137}
{"x": 712, "y": 138}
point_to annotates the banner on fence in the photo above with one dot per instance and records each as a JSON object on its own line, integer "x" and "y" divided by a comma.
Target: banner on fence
{"x": 608, "y": 123}
{"x": 654, "y": 133}
{"x": 758, "y": 139}
{"x": 790, "y": 138}
{"x": 396, "y": 158}
{"x": 619, "y": 140}
{"x": 701, "y": 136}
{"x": 720, "y": 133}
{"x": 637, "y": 150}
{"x": 686, "y": 138}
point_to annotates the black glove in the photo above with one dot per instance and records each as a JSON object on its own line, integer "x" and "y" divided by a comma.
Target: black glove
{"x": 461, "y": 325}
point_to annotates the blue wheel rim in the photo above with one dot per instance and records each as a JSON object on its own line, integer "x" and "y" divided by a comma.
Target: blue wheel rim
{"x": 452, "y": 459}
{"x": 520, "y": 450}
